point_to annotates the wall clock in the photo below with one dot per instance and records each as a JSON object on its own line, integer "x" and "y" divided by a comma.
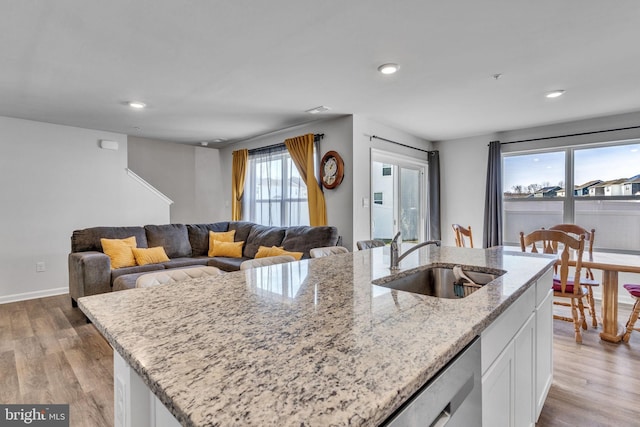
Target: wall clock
{"x": 332, "y": 169}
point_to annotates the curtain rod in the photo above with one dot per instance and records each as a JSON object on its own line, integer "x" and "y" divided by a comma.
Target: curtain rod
{"x": 570, "y": 135}
{"x": 316, "y": 137}
{"x": 398, "y": 143}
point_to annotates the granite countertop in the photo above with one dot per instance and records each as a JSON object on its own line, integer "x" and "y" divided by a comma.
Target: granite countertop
{"x": 308, "y": 343}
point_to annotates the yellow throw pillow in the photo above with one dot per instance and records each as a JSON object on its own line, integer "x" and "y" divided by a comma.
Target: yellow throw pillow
{"x": 120, "y": 251}
{"x": 222, "y": 236}
{"x": 275, "y": 251}
{"x": 265, "y": 251}
{"x": 145, "y": 256}
{"x": 228, "y": 249}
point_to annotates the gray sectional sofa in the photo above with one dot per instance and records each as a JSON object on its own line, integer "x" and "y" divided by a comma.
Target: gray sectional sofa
{"x": 186, "y": 245}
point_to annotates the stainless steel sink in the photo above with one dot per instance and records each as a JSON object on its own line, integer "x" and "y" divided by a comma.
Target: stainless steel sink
{"x": 438, "y": 282}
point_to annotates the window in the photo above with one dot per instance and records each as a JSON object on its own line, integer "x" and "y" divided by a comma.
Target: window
{"x": 275, "y": 194}
{"x": 386, "y": 170}
{"x": 593, "y": 186}
{"x": 377, "y": 198}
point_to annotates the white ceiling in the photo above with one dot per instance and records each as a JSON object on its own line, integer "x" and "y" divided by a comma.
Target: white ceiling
{"x": 236, "y": 69}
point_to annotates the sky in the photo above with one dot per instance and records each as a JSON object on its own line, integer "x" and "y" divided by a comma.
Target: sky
{"x": 604, "y": 163}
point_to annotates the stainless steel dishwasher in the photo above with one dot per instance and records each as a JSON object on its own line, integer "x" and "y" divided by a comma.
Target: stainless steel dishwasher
{"x": 452, "y": 398}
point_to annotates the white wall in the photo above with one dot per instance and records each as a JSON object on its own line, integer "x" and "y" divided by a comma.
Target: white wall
{"x": 337, "y": 137}
{"x": 463, "y": 174}
{"x": 190, "y": 176}
{"x": 363, "y": 129}
{"x": 56, "y": 179}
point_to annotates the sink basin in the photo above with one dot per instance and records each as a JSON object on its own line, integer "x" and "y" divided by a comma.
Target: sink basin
{"x": 438, "y": 282}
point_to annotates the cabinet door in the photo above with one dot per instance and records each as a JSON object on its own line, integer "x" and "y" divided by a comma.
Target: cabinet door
{"x": 524, "y": 345}
{"x": 497, "y": 390}
{"x": 544, "y": 350}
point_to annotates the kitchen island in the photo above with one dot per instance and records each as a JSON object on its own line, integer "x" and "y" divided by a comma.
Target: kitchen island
{"x": 310, "y": 343}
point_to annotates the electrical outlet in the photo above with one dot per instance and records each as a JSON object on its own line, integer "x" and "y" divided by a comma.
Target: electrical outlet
{"x": 40, "y": 267}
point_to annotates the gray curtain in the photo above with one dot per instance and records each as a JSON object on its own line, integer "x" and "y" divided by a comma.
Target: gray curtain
{"x": 434, "y": 196}
{"x": 493, "y": 201}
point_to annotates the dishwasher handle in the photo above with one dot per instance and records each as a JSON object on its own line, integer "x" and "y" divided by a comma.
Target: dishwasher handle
{"x": 445, "y": 415}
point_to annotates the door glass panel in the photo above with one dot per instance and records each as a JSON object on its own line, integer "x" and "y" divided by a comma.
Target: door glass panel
{"x": 410, "y": 204}
{"x": 382, "y": 209}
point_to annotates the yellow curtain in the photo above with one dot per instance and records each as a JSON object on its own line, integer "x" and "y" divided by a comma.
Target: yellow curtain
{"x": 301, "y": 150}
{"x": 238, "y": 173}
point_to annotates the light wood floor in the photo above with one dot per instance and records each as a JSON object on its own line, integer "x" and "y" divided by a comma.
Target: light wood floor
{"x": 49, "y": 354}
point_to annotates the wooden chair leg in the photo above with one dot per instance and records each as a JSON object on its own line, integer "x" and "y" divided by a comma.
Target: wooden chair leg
{"x": 632, "y": 320}
{"x": 583, "y": 319}
{"x": 576, "y": 321}
{"x": 592, "y": 307}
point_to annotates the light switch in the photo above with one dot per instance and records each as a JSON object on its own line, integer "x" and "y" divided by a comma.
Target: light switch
{"x": 365, "y": 202}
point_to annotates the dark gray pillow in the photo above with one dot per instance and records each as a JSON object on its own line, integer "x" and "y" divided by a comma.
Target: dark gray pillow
{"x": 262, "y": 235}
{"x": 199, "y": 236}
{"x": 303, "y": 238}
{"x": 174, "y": 238}
{"x": 243, "y": 228}
{"x": 89, "y": 238}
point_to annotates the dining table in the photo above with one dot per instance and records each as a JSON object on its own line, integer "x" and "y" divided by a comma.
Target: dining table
{"x": 610, "y": 264}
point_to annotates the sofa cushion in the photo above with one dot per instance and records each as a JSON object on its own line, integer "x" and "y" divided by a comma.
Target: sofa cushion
{"x": 89, "y": 238}
{"x": 185, "y": 262}
{"x": 220, "y": 236}
{"x": 127, "y": 281}
{"x": 262, "y": 235}
{"x": 243, "y": 228}
{"x": 276, "y": 251}
{"x": 146, "y": 256}
{"x": 137, "y": 269}
{"x": 226, "y": 264}
{"x": 304, "y": 238}
{"x": 199, "y": 236}
{"x": 226, "y": 249}
{"x": 120, "y": 251}
{"x": 174, "y": 238}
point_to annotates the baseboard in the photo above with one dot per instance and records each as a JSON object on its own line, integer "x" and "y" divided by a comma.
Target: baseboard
{"x": 33, "y": 295}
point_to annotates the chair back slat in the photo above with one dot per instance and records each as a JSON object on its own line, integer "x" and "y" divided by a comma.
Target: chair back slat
{"x": 460, "y": 234}
{"x": 550, "y": 240}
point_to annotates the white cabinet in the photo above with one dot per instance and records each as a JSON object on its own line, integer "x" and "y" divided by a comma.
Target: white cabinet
{"x": 544, "y": 345}
{"x": 134, "y": 403}
{"x": 516, "y": 360}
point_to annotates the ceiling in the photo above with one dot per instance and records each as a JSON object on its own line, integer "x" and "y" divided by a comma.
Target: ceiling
{"x": 236, "y": 69}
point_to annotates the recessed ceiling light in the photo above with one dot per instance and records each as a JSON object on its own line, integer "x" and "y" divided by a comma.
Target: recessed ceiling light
{"x": 320, "y": 109}
{"x": 555, "y": 93}
{"x": 204, "y": 143}
{"x": 136, "y": 104}
{"x": 389, "y": 68}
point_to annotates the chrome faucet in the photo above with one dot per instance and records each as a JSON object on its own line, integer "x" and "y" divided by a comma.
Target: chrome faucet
{"x": 395, "y": 255}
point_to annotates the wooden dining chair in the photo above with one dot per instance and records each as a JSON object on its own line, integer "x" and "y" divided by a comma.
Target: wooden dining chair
{"x": 634, "y": 291}
{"x": 368, "y": 244}
{"x": 587, "y": 280}
{"x": 547, "y": 241}
{"x": 461, "y": 233}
